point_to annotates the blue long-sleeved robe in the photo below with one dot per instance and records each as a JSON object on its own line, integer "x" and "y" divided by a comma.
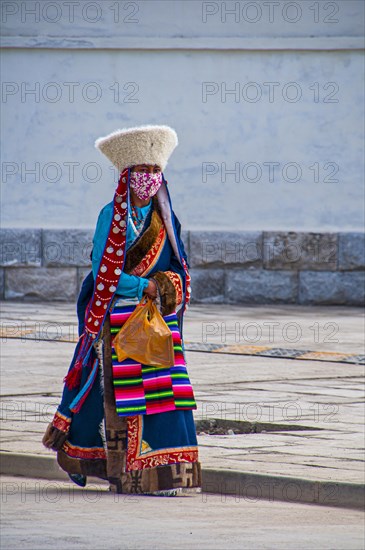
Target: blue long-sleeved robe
{"x": 129, "y": 285}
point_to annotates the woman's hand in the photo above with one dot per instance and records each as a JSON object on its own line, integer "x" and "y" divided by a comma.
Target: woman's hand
{"x": 151, "y": 289}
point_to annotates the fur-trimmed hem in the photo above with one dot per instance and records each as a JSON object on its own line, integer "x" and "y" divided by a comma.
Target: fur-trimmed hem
{"x": 86, "y": 467}
{"x": 54, "y": 438}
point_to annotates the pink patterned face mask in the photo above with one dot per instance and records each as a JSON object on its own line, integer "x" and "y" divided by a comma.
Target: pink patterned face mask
{"x": 145, "y": 185}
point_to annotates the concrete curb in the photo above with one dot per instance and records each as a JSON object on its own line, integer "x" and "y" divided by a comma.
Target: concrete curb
{"x": 253, "y": 487}
{"x": 31, "y": 465}
{"x": 243, "y": 486}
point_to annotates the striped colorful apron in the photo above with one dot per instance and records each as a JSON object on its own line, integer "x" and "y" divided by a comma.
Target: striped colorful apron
{"x": 146, "y": 389}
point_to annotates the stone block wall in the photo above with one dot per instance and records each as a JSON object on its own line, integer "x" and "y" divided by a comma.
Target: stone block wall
{"x": 244, "y": 267}
{"x": 39, "y": 264}
{"x": 278, "y": 267}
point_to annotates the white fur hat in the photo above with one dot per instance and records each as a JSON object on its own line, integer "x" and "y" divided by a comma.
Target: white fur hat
{"x": 139, "y": 145}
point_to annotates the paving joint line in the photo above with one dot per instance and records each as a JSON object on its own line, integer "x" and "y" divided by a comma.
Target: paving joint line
{"x": 231, "y": 349}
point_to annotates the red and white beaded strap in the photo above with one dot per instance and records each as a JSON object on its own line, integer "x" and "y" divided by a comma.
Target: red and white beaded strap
{"x": 112, "y": 262}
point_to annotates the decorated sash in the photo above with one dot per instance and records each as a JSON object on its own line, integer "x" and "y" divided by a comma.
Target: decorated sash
{"x": 146, "y": 389}
{"x": 105, "y": 286}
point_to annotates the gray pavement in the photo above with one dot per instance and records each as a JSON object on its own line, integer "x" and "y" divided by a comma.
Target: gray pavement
{"x": 306, "y": 415}
{"x": 39, "y": 515}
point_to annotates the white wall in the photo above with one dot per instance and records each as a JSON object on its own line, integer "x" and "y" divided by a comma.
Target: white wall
{"x": 166, "y": 85}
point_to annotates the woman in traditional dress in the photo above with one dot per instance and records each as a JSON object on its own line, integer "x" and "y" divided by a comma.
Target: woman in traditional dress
{"x": 126, "y": 422}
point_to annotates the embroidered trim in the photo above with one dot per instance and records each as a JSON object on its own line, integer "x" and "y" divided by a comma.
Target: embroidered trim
{"x": 159, "y": 457}
{"x": 147, "y": 263}
{"x": 187, "y": 284}
{"x": 83, "y": 452}
{"x": 61, "y": 422}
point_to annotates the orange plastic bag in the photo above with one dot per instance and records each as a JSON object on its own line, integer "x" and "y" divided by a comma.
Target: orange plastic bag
{"x": 145, "y": 337}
